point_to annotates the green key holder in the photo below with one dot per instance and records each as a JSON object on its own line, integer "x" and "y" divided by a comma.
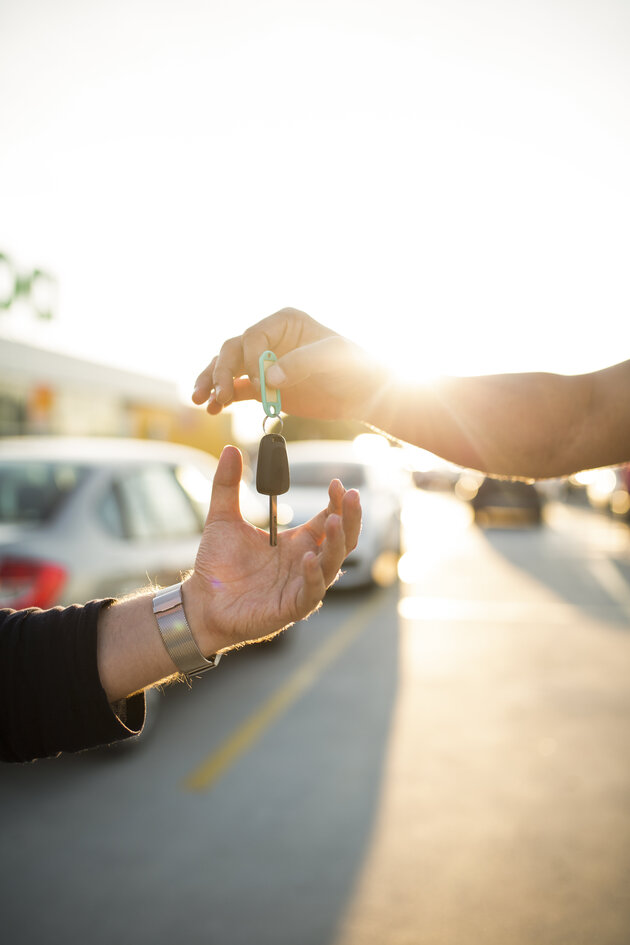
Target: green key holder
{"x": 271, "y": 407}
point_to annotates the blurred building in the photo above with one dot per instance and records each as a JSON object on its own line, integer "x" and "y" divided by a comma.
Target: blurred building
{"x": 43, "y": 391}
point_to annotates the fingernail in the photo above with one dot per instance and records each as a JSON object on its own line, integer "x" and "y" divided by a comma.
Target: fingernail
{"x": 275, "y": 375}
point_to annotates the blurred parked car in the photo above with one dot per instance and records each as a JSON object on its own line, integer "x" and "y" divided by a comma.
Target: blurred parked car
{"x": 433, "y": 473}
{"x": 313, "y": 464}
{"x": 505, "y": 502}
{"x": 620, "y": 498}
{"x": 86, "y": 518}
{"x": 608, "y": 489}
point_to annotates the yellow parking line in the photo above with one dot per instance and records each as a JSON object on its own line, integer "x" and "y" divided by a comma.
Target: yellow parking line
{"x": 210, "y": 770}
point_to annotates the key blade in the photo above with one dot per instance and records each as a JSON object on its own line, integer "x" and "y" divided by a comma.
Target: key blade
{"x": 273, "y": 520}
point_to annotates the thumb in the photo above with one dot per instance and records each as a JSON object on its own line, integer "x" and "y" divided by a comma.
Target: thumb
{"x": 224, "y": 503}
{"x": 321, "y": 357}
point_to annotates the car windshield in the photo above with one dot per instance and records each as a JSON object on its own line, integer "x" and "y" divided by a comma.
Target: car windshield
{"x": 31, "y": 491}
{"x": 318, "y": 474}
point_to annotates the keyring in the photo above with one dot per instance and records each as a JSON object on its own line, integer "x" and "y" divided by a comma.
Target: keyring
{"x": 279, "y": 419}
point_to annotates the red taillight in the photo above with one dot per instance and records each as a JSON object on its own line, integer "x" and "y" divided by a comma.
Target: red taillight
{"x": 25, "y": 583}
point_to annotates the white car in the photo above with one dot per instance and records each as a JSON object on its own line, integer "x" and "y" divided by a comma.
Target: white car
{"x": 313, "y": 464}
{"x": 88, "y": 518}
{"x": 91, "y": 517}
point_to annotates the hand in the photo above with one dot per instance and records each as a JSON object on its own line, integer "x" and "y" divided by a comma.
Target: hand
{"x": 242, "y": 588}
{"x": 320, "y": 373}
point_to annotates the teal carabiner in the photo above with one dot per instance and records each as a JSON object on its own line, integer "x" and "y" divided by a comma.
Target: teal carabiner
{"x": 271, "y": 407}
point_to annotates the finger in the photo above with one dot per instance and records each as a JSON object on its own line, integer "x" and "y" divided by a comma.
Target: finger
{"x": 351, "y": 519}
{"x": 228, "y": 365}
{"x": 342, "y": 534}
{"x": 348, "y": 506}
{"x": 224, "y": 503}
{"x": 321, "y": 357}
{"x": 314, "y": 587}
{"x": 256, "y": 340}
{"x": 336, "y": 493}
{"x": 205, "y": 389}
{"x": 204, "y": 384}
{"x": 212, "y": 407}
{"x": 245, "y": 390}
{"x": 333, "y": 549}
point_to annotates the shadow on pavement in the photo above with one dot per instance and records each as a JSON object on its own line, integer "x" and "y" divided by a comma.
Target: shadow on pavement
{"x": 271, "y": 853}
{"x": 571, "y": 572}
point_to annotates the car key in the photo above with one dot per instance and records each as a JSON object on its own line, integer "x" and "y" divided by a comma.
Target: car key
{"x": 272, "y": 476}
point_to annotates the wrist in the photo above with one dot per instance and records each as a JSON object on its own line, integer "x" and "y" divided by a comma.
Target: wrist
{"x": 360, "y": 389}
{"x": 199, "y": 619}
{"x": 378, "y": 402}
{"x": 177, "y": 637}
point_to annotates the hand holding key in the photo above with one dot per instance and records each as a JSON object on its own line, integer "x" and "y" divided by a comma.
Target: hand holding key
{"x": 326, "y": 375}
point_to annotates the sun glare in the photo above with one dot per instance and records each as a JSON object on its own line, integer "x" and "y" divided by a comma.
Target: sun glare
{"x": 455, "y": 207}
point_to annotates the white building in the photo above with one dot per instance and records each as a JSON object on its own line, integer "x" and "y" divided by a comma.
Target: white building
{"x": 43, "y": 391}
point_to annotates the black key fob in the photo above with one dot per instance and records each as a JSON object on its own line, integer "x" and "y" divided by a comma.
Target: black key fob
{"x": 272, "y": 470}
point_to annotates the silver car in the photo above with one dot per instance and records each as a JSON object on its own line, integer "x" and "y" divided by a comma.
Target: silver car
{"x": 86, "y": 518}
{"x": 313, "y": 464}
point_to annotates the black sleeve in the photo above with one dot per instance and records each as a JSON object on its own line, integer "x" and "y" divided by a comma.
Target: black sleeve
{"x": 51, "y": 697}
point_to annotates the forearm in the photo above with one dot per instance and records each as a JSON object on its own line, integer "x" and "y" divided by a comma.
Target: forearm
{"x": 51, "y": 696}
{"x": 131, "y": 654}
{"x": 522, "y": 425}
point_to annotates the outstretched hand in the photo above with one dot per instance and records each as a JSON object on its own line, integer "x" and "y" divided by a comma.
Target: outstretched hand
{"x": 244, "y": 589}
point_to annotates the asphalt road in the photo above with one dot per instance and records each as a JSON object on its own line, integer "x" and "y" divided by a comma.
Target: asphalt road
{"x": 440, "y": 761}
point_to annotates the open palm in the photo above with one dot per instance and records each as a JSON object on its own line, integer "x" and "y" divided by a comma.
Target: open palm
{"x": 251, "y": 589}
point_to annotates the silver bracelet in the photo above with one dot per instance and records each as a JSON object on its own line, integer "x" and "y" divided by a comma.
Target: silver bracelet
{"x": 180, "y": 645}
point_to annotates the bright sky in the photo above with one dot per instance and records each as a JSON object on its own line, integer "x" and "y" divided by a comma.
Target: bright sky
{"x": 445, "y": 181}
